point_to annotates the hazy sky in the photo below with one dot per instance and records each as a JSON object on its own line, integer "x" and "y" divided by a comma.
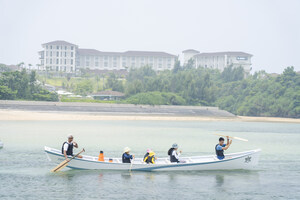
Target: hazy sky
{"x": 270, "y": 30}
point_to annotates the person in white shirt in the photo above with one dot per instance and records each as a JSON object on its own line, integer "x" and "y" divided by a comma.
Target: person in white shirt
{"x": 67, "y": 147}
{"x": 174, "y": 155}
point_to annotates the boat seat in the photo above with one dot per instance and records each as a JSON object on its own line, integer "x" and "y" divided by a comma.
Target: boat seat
{"x": 167, "y": 160}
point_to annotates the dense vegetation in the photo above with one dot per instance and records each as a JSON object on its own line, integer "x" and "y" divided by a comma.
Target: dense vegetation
{"x": 21, "y": 85}
{"x": 254, "y": 95}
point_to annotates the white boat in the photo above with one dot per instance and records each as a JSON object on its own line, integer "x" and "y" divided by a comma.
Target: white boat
{"x": 243, "y": 160}
{"x": 1, "y": 145}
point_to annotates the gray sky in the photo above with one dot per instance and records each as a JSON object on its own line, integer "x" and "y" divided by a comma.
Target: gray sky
{"x": 268, "y": 29}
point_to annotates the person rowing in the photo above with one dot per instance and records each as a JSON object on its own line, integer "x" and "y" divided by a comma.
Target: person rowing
{"x": 149, "y": 157}
{"x": 67, "y": 147}
{"x": 220, "y": 147}
{"x": 126, "y": 157}
{"x": 174, "y": 155}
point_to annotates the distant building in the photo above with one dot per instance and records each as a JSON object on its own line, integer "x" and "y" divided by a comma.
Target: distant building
{"x": 108, "y": 95}
{"x": 219, "y": 60}
{"x": 67, "y": 57}
{"x": 58, "y": 56}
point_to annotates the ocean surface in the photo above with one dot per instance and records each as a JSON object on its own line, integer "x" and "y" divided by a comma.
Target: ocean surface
{"x": 25, "y": 170}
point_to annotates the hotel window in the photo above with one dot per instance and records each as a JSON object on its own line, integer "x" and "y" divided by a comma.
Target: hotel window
{"x": 60, "y": 61}
{"x": 65, "y": 68}
{"x": 142, "y": 59}
{"x": 57, "y": 47}
{"x": 133, "y": 58}
{"x": 47, "y": 47}
{"x": 96, "y": 58}
{"x": 87, "y": 57}
{"x": 124, "y": 64}
{"x": 50, "y": 61}
{"x": 57, "y": 61}
{"x": 46, "y": 61}
{"x": 65, "y": 61}
{"x": 96, "y": 63}
{"x": 61, "y": 54}
{"x": 50, "y": 46}
{"x": 46, "y": 53}
{"x": 72, "y": 47}
{"x": 56, "y": 68}
{"x": 71, "y": 54}
{"x": 159, "y": 59}
{"x": 50, "y": 53}
{"x": 124, "y": 58}
{"x": 150, "y": 59}
{"x": 115, "y": 58}
{"x": 65, "y": 54}
{"x": 169, "y": 59}
{"x": 159, "y": 65}
{"x": 115, "y": 64}
{"x": 71, "y": 69}
{"x": 105, "y": 64}
{"x": 169, "y": 65}
{"x": 65, "y": 47}
{"x": 105, "y": 58}
{"x": 71, "y": 61}
{"x": 57, "y": 54}
{"x": 87, "y": 63}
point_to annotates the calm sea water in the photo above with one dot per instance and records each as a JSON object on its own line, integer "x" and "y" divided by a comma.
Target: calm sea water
{"x": 24, "y": 169}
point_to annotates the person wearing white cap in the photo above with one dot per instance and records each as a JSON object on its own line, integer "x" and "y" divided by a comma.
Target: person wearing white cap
{"x": 174, "y": 155}
{"x": 126, "y": 157}
{"x": 67, "y": 147}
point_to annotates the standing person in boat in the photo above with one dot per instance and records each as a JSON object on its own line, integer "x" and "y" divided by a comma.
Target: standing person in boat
{"x": 220, "y": 147}
{"x": 174, "y": 155}
{"x": 67, "y": 147}
{"x": 126, "y": 157}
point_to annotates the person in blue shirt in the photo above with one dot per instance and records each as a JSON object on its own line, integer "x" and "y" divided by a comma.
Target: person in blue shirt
{"x": 220, "y": 147}
{"x": 126, "y": 157}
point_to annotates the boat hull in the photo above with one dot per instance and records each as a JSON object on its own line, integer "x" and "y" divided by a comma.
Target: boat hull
{"x": 244, "y": 160}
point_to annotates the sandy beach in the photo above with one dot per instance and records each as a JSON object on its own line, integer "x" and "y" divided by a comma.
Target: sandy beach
{"x": 49, "y": 115}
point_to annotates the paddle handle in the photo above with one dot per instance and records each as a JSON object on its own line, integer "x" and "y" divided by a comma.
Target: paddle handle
{"x": 232, "y": 137}
{"x": 63, "y": 164}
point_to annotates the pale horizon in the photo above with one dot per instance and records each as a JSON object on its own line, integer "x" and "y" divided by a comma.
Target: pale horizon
{"x": 270, "y": 30}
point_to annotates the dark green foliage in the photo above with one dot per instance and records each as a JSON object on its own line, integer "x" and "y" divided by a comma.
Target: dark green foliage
{"x": 156, "y": 98}
{"x": 254, "y": 95}
{"x": 20, "y": 85}
{"x": 114, "y": 84}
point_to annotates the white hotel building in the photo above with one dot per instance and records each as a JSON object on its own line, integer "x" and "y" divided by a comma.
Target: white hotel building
{"x": 67, "y": 57}
{"x": 218, "y": 60}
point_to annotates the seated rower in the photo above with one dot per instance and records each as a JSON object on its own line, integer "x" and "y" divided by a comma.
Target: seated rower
{"x": 220, "y": 147}
{"x": 67, "y": 147}
{"x": 147, "y": 154}
{"x": 150, "y": 158}
{"x": 174, "y": 155}
{"x": 126, "y": 157}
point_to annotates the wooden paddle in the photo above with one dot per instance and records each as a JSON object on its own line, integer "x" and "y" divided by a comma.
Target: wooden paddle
{"x": 131, "y": 164}
{"x": 237, "y": 138}
{"x": 65, "y": 163}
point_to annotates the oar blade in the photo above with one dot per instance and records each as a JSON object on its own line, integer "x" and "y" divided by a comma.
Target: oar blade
{"x": 60, "y": 166}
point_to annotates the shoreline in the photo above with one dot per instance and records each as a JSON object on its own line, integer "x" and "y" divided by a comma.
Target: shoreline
{"x": 26, "y": 115}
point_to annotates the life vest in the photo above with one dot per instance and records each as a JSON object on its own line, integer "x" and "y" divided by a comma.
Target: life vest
{"x": 124, "y": 159}
{"x": 101, "y": 156}
{"x": 220, "y": 153}
{"x": 150, "y": 158}
{"x": 172, "y": 157}
{"x": 69, "y": 150}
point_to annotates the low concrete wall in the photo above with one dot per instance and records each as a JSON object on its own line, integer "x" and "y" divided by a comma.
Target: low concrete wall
{"x": 123, "y": 109}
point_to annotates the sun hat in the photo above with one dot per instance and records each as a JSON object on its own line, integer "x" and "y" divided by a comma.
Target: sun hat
{"x": 126, "y": 149}
{"x": 149, "y": 150}
{"x": 175, "y": 146}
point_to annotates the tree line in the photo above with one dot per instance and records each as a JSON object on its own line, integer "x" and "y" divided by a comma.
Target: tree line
{"x": 232, "y": 89}
{"x": 20, "y": 85}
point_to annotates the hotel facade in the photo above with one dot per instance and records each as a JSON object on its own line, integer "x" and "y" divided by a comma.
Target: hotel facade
{"x": 62, "y": 56}
{"x": 219, "y": 60}
{"x": 67, "y": 57}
